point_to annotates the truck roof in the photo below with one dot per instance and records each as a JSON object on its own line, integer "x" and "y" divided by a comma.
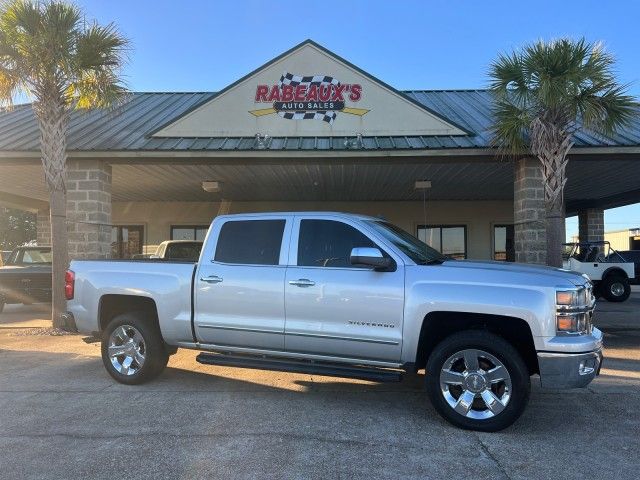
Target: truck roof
{"x": 181, "y": 241}
{"x": 320, "y": 212}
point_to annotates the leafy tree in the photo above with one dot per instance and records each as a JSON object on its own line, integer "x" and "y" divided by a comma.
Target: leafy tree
{"x": 49, "y": 52}
{"x": 17, "y": 227}
{"x": 544, "y": 94}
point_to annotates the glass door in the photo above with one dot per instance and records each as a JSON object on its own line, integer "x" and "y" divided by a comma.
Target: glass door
{"x": 127, "y": 241}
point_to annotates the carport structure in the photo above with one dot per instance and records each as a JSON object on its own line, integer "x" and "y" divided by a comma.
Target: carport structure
{"x": 139, "y": 168}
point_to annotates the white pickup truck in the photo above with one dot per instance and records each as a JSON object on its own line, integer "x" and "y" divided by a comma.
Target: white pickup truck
{"x": 351, "y": 296}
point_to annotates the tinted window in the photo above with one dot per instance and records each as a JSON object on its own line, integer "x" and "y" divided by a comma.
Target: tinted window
{"x": 326, "y": 243}
{"x": 183, "y": 251}
{"x": 450, "y": 240}
{"x": 503, "y": 245}
{"x": 37, "y": 256}
{"x": 250, "y": 242}
{"x": 197, "y": 232}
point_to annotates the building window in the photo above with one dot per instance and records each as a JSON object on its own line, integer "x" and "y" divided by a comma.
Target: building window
{"x": 126, "y": 241}
{"x": 450, "y": 240}
{"x": 189, "y": 232}
{"x": 250, "y": 242}
{"x": 503, "y": 245}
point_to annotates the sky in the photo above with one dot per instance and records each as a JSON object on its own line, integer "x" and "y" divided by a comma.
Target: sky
{"x": 191, "y": 45}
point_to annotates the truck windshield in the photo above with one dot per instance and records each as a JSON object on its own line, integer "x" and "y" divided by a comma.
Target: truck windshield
{"x": 418, "y": 251}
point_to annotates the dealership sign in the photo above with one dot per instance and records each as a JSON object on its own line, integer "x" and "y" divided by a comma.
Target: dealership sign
{"x": 283, "y": 97}
{"x": 309, "y": 97}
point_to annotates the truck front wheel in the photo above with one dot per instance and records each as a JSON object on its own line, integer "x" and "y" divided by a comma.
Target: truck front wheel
{"x": 478, "y": 381}
{"x": 133, "y": 351}
{"x": 616, "y": 288}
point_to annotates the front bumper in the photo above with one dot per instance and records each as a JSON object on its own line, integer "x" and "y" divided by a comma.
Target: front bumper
{"x": 570, "y": 370}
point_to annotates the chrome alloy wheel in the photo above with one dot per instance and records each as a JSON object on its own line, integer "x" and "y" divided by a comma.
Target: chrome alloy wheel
{"x": 475, "y": 384}
{"x": 617, "y": 289}
{"x": 127, "y": 350}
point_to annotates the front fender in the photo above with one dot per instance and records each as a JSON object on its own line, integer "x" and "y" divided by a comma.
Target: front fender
{"x": 531, "y": 304}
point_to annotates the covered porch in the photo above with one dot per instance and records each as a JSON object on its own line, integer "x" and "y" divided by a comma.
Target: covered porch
{"x": 478, "y": 206}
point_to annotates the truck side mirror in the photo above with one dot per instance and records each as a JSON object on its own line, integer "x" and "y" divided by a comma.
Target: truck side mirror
{"x": 371, "y": 257}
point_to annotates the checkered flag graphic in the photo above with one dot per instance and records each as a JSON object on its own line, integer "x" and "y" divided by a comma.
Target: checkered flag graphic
{"x": 318, "y": 80}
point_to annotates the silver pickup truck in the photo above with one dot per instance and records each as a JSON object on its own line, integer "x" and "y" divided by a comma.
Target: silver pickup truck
{"x": 350, "y": 296}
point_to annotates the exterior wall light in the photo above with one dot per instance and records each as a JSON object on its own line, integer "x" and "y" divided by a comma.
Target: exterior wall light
{"x": 354, "y": 142}
{"x": 261, "y": 141}
{"x": 422, "y": 184}
{"x": 212, "y": 186}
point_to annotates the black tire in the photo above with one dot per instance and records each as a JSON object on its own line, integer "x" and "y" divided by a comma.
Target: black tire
{"x": 155, "y": 353}
{"x": 615, "y": 288}
{"x": 501, "y": 350}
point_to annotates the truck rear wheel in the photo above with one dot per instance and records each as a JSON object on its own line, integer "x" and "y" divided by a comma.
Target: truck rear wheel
{"x": 616, "y": 288}
{"x": 133, "y": 351}
{"x": 477, "y": 380}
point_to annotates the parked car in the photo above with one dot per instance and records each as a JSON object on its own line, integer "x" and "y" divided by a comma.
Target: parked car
{"x": 26, "y": 276}
{"x": 633, "y": 256}
{"x": 188, "y": 250}
{"x": 350, "y": 296}
{"x": 610, "y": 273}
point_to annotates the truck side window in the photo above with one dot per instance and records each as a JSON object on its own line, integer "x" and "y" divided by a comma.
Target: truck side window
{"x": 327, "y": 243}
{"x": 250, "y": 242}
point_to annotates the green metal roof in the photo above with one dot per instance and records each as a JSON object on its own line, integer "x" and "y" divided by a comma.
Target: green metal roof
{"x": 129, "y": 127}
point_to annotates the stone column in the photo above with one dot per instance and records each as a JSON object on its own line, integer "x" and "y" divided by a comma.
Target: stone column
{"x": 591, "y": 225}
{"x": 89, "y": 208}
{"x": 530, "y": 234}
{"x": 43, "y": 227}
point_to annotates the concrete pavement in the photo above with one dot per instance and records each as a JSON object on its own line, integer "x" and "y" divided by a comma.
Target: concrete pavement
{"x": 62, "y": 416}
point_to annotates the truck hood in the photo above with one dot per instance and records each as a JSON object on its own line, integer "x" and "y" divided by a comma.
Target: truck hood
{"x": 503, "y": 271}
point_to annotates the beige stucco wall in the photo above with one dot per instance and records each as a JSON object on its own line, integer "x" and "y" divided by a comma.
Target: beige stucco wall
{"x": 619, "y": 239}
{"x": 478, "y": 217}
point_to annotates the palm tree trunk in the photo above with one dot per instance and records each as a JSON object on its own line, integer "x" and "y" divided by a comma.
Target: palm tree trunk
{"x": 58, "y": 208}
{"x": 551, "y": 144}
{"x": 53, "y": 121}
{"x": 556, "y": 232}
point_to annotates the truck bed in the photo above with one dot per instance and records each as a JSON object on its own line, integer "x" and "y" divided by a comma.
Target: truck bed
{"x": 167, "y": 282}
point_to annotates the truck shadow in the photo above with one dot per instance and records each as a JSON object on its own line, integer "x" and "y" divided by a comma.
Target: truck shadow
{"x": 75, "y": 385}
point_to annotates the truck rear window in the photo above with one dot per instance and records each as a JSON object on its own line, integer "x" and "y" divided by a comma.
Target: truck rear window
{"x": 250, "y": 242}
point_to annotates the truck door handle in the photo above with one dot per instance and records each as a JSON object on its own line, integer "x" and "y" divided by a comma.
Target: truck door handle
{"x": 302, "y": 282}
{"x": 211, "y": 279}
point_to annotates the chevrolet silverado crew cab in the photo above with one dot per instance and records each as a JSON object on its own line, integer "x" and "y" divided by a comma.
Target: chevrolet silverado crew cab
{"x": 351, "y": 296}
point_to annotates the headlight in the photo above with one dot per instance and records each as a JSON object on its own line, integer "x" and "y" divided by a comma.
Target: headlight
{"x": 567, "y": 297}
{"x": 574, "y": 322}
{"x": 574, "y": 310}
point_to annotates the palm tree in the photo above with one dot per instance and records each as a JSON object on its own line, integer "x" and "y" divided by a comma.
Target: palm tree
{"x": 51, "y": 54}
{"x": 546, "y": 92}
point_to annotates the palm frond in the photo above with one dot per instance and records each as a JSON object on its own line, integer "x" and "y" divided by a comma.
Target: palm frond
{"x": 565, "y": 84}
{"x": 58, "y": 56}
{"x": 510, "y": 127}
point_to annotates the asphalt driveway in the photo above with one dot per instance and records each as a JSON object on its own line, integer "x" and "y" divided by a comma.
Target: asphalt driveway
{"x": 61, "y": 416}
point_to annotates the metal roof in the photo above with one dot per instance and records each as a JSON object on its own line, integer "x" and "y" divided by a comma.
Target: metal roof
{"x": 128, "y": 127}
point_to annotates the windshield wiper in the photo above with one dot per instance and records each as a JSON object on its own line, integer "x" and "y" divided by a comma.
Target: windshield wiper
{"x": 435, "y": 261}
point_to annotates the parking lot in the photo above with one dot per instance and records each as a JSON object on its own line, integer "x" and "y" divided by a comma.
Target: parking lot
{"x": 62, "y": 416}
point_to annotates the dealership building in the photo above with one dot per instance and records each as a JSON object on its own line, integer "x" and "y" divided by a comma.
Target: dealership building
{"x": 308, "y": 131}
